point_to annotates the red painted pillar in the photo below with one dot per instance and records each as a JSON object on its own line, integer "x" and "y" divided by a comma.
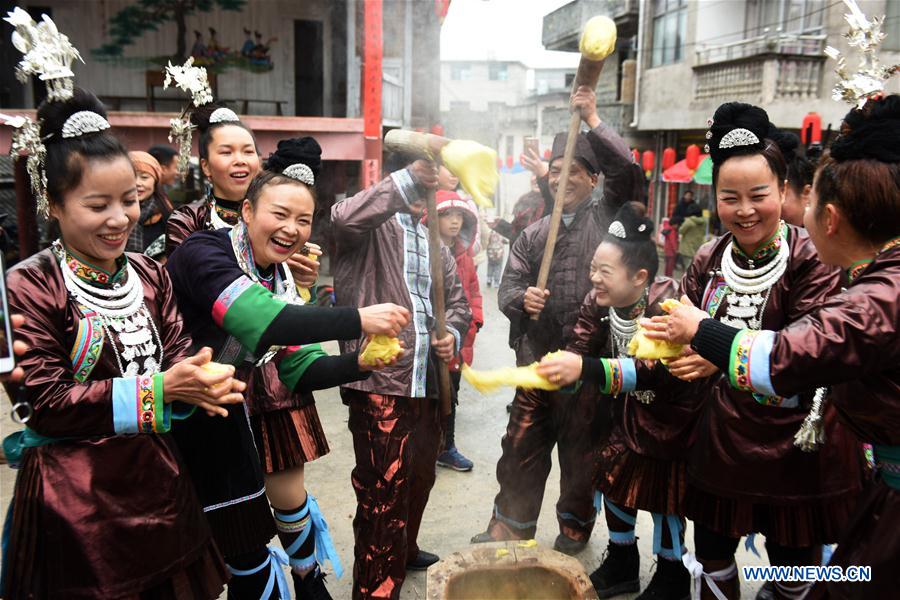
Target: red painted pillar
{"x": 372, "y": 53}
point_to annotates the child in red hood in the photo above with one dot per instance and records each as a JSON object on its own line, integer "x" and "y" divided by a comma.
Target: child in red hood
{"x": 458, "y": 226}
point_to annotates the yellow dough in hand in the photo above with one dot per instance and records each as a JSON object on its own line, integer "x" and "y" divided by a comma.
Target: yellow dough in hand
{"x": 524, "y": 377}
{"x": 476, "y": 167}
{"x": 598, "y": 40}
{"x": 214, "y": 368}
{"x": 381, "y": 346}
{"x": 643, "y": 347}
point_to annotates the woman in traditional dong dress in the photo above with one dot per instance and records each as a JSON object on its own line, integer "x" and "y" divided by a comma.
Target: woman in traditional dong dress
{"x": 850, "y": 342}
{"x": 107, "y": 373}
{"x": 745, "y": 473}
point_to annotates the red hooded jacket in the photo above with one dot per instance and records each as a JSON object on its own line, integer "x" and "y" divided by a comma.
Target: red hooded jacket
{"x": 465, "y": 269}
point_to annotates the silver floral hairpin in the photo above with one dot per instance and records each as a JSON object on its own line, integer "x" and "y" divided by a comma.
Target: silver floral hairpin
{"x": 195, "y": 81}
{"x": 301, "y": 173}
{"x": 617, "y": 229}
{"x": 46, "y": 52}
{"x": 870, "y": 76}
{"x": 223, "y": 115}
{"x": 738, "y": 137}
{"x": 26, "y": 139}
{"x": 82, "y": 122}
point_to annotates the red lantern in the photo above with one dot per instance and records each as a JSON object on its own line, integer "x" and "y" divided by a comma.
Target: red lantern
{"x": 509, "y": 162}
{"x": 499, "y": 163}
{"x": 437, "y": 129}
{"x": 692, "y": 157}
{"x": 812, "y": 129}
{"x": 636, "y": 155}
{"x": 547, "y": 154}
{"x": 668, "y": 159}
{"x": 648, "y": 160}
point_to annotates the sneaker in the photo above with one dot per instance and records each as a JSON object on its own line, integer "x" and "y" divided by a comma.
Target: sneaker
{"x": 619, "y": 573}
{"x": 422, "y": 561}
{"x": 671, "y": 581}
{"x": 452, "y": 459}
{"x": 567, "y": 545}
{"x": 311, "y": 586}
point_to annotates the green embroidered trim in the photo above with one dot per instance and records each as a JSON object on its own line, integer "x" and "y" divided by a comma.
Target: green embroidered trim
{"x": 163, "y": 411}
{"x": 292, "y": 367}
{"x": 739, "y": 361}
{"x": 250, "y": 315}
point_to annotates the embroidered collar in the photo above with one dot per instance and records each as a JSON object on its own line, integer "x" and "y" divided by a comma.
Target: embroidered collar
{"x": 228, "y": 210}
{"x": 88, "y": 272}
{"x": 768, "y": 250}
{"x": 637, "y": 309}
{"x": 275, "y": 281}
{"x": 859, "y": 266}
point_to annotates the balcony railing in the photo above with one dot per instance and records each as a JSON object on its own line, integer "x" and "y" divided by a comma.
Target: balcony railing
{"x": 794, "y": 45}
{"x": 761, "y": 69}
{"x": 761, "y": 79}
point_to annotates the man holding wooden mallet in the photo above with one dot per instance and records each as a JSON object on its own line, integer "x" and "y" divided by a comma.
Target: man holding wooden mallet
{"x": 542, "y": 319}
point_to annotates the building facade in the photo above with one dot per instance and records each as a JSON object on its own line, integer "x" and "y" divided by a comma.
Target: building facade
{"x": 692, "y": 55}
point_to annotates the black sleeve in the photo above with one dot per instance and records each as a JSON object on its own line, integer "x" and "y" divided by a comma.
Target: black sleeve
{"x": 592, "y": 370}
{"x": 713, "y": 342}
{"x": 310, "y": 324}
{"x": 331, "y": 371}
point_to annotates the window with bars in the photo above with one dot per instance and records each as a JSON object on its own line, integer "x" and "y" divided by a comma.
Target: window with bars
{"x": 669, "y": 29}
{"x": 460, "y": 71}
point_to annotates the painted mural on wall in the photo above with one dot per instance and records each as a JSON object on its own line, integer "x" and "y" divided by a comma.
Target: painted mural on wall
{"x": 130, "y": 23}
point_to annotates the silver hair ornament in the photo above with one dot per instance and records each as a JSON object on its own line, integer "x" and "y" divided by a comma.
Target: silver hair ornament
{"x": 82, "y": 122}
{"x": 738, "y": 137}
{"x": 26, "y": 139}
{"x": 223, "y": 115}
{"x": 47, "y": 53}
{"x": 870, "y": 76}
{"x": 301, "y": 173}
{"x": 617, "y": 229}
{"x": 180, "y": 134}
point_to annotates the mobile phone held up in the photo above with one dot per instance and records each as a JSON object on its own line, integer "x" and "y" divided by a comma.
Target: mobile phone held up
{"x": 7, "y": 360}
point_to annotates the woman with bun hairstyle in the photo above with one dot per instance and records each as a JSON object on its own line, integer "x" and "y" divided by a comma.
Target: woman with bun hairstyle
{"x": 850, "y": 342}
{"x": 239, "y": 297}
{"x": 102, "y": 506}
{"x": 745, "y": 473}
{"x": 642, "y": 465}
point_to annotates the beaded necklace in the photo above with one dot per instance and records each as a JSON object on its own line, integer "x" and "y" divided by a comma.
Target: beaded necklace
{"x": 119, "y": 309}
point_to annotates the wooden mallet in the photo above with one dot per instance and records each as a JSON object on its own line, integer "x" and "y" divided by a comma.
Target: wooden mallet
{"x": 429, "y": 146}
{"x": 598, "y": 40}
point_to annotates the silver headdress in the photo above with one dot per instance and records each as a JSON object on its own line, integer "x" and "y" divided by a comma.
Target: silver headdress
{"x": 82, "y": 122}
{"x": 26, "y": 139}
{"x": 617, "y": 229}
{"x": 869, "y": 78}
{"x": 738, "y": 137}
{"x": 47, "y": 53}
{"x": 223, "y": 115}
{"x": 301, "y": 173}
{"x": 195, "y": 81}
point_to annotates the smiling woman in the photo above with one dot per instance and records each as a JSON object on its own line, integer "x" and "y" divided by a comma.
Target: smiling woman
{"x": 763, "y": 274}
{"x": 107, "y": 372}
